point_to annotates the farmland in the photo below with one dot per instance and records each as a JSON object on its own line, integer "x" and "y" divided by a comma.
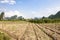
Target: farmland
{"x": 21, "y": 30}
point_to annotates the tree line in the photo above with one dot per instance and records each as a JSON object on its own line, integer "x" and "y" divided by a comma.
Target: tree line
{"x": 50, "y": 19}
{"x": 14, "y": 17}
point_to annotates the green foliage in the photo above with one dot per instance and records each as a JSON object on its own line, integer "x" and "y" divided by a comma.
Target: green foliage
{"x": 1, "y": 15}
{"x": 45, "y": 20}
{"x": 3, "y": 37}
{"x": 20, "y": 18}
{"x": 13, "y": 17}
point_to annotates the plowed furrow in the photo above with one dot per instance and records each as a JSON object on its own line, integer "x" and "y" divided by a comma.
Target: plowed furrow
{"x": 53, "y": 34}
{"x": 53, "y": 30}
{"x": 41, "y": 35}
{"x": 11, "y": 35}
{"x": 35, "y": 33}
{"x": 28, "y": 34}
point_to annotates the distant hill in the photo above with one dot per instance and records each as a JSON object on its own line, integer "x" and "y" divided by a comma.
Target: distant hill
{"x": 56, "y": 16}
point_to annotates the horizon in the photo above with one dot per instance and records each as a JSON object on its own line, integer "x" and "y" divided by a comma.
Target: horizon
{"x": 29, "y": 8}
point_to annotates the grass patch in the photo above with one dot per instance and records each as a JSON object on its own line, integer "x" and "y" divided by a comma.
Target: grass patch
{"x": 3, "y": 36}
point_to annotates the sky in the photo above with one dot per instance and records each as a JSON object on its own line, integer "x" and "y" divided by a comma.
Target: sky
{"x": 29, "y": 8}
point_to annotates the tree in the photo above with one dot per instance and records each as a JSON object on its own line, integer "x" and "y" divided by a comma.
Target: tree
{"x": 13, "y": 17}
{"x": 1, "y": 16}
{"x": 20, "y": 18}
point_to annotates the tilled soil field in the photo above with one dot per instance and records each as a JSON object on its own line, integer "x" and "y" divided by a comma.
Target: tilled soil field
{"x": 31, "y": 31}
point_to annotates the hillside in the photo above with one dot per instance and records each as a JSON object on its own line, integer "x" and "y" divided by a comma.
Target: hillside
{"x": 56, "y": 16}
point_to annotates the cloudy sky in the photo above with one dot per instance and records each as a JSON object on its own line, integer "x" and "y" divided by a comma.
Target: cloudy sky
{"x": 29, "y": 8}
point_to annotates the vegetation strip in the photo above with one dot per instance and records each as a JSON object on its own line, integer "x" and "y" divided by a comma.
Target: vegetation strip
{"x": 45, "y": 32}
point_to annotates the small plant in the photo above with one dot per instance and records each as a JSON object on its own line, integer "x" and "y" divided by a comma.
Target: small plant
{"x": 4, "y": 37}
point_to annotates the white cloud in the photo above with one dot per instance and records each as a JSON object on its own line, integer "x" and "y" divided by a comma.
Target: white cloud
{"x": 2, "y": 9}
{"x": 53, "y": 10}
{"x": 12, "y": 2}
{"x": 11, "y": 13}
{"x": 46, "y": 12}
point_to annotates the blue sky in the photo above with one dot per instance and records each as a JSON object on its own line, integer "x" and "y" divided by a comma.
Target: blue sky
{"x": 29, "y": 8}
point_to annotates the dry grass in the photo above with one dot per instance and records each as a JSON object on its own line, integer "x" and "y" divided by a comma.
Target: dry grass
{"x": 21, "y": 30}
